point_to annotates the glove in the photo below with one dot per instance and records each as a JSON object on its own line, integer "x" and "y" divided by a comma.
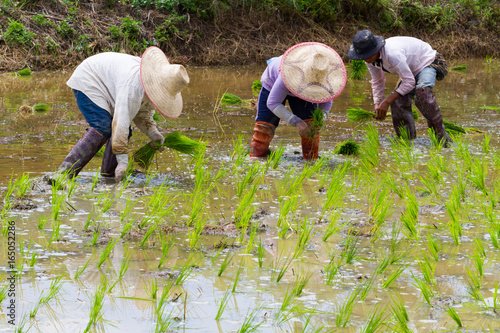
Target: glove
{"x": 303, "y": 128}
{"x": 122, "y": 166}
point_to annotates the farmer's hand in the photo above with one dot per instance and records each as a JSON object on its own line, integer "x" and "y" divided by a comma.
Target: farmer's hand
{"x": 303, "y": 128}
{"x": 158, "y": 145}
{"x": 121, "y": 168}
{"x": 381, "y": 111}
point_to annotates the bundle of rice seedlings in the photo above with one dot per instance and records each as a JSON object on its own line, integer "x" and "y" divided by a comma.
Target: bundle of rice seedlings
{"x": 494, "y": 108}
{"x": 230, "y": 99}
{"x": 41, "y": 107}
{"x": 355, "y": 115}
{"x": 473, "y": 130}
{"x": 144, "y": 156}
{"x": 348, "y": 147}
{"x": 453, "y": 128}
{"x": 317, "y": 122}
{"x": 256, "y": 86}
{"x": 100, "y": 153}
{"x": 24, "y": 72}
{"x": 415, "y": 113}
{"x": 358, "y": 69}
{"x": 459, "y": 68}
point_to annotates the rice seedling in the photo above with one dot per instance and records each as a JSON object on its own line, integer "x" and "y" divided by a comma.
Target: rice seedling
{"x": 237, "y": 277}
{"x": 55, "y": 232}
{"x": 95, "y": 180}
{"x": 332, "y": 227}
{"x": 225, "y": 264}
{"x": 276, "y": 155}
{"x": 454, "y": 315}
{"x": 399, "y": 313}
{"x": 248, "y": 324}
{"x": 24, "y": 72}
{"x": 301, "y": 281}
{"x": 222, "y": 305}
{"x": 391, "y": 182}
{"x": 124, "y": 266}
{"x": 107, "y": 251}
{"x": 380, "y": 210}
{"x": 245, "y": 202}
{"x": 335, "y": 192}
{"x": 305, "y": 233}
{"x": 256, "y": 87}
{"x": 185, "y": 271}
{"x": 358, "y": 69}
{"x": 317, "y": 122}
{"x": 230, "y": 99}
{"x": 4, "y": 291}
{"x": 458, "y": 68}
{"x": 332, "y": 268}
{"x": 40, "y": 107}
{"x": 356, "y": 115}
{"x": 370, "y": 148}
{"x": 287, "y": 308}
{"x": 454, "y": 225}
{"x": 421, "y": 284}
{"x": 22, "y": 185}
{"x": 486, "y": 143}
{"x": 251, "y": 238}
{"x": 288, "y": 206}
{"x": 393, "y": 276}
{"x": 95, "y": 235}
{"x": 240, "y": 152}
{"x": 151, "y": 288}
{"x": 344, "y": 311}
{"x": 260, "y": 253}
{"x": 105, "y": 201}
{"x": 79, "y": 270}
{"x": 474, "y": 283}
{"x": 367, "y": 286}
{"x": 434, "y": 247}
{"x": 428, "y": 269}
{"x": 165, "y": 323}
{"x": 42, "y": 221}
{"x": 281, "y": 265}
{"x": 494, "y": 235}
{"x": 166, "y": 246}
{"x": 175, "y": 140}
{"x": 461, "y": 148}
{"x": 250, "y": 174}
{"x": 351, "y": 247}
{"x": 153, "y": 228}
{"x": 402, "y": 151}
{"x": 348, "y": 147}
{"x": 96, "y": 304}
{"x": 477, "y": 262}
{"x": 409, "y": 217}
{"x": 126, "y": 227}
{"x": 376, "y": 322}
{"x": 195, "y": 232}
{"x": 479, "y": 247}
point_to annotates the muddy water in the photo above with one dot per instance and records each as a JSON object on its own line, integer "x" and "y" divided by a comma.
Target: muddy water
{"x": 35, "y": 144}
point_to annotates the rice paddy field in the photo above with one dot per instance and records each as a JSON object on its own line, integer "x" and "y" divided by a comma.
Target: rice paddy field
{"x": 398, "y": 238}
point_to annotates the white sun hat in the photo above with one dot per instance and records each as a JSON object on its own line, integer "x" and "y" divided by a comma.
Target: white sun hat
{"x": 313, "y": 72}
{"x": 163, "y": 82}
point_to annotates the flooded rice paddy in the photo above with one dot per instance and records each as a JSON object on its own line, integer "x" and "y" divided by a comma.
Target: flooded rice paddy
{"x": 398, "y": 238}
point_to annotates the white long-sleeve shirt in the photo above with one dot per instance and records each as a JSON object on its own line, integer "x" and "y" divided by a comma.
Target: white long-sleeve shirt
{"x": 404, "y": 56}
{"x": 112, "y": 81}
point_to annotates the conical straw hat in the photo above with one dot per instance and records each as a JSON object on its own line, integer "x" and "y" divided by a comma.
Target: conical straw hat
{"x": 313, "y": 72}
{"x": 163, "y": 82}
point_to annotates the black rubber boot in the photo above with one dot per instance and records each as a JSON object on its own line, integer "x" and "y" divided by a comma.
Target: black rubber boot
{"x": 81, "y": 154}
{"x": 109, "y": 162}
{"x": 402, "y": 117}
{"x": 426, "y": 103}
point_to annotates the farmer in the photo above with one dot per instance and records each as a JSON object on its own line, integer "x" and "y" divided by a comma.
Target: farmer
{"x": 418, "y": 67}
{"x": 111, "y": 90}
{"x": 308, "y": 76}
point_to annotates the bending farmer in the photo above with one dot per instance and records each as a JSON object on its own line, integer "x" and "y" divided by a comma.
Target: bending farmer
{"x": 111, "y": 90}
{"x": 418, "y": 67}
{"x": 308, "y": 75}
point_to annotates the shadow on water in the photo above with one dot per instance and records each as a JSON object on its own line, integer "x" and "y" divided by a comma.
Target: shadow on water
{"x": 223, "y": 242}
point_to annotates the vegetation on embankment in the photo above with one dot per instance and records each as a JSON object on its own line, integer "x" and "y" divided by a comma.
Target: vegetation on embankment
{"x": 50, "y": 34}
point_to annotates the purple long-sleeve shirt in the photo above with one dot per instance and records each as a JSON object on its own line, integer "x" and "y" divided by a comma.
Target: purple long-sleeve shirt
{"x": 271, "y": 81}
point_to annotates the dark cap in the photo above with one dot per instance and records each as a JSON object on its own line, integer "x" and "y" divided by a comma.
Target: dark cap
{"x": 364, "y": 45}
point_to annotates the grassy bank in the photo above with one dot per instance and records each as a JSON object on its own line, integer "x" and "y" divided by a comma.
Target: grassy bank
{"x": 52, "y": 34}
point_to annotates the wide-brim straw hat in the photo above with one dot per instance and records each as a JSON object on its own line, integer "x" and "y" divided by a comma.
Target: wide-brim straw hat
{"x": 364, "y": 45}
{"x": 313, "y": 72}
{"x": 163, "y": 82}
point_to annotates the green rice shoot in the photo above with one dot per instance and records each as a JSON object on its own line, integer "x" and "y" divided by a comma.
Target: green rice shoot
{"x": 356, "y": 115}
{"x": 459, "y": 68}
{"x": 348, "y": 147}
{"x": 415, "y": 113}
{"x": 256, "y": 86}
{"x": 453, "y": 128}
{"x": 24, "y": 72}
{"x": 358, "y": 69}
{"x": 176, "y": 141}
{"x": 230, "y": 99}
{"x": 41, "y": 107}
{"x": 317, "y": 122}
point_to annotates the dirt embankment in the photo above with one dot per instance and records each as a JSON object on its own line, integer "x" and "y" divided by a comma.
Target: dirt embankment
{"x": 63, "y": 36}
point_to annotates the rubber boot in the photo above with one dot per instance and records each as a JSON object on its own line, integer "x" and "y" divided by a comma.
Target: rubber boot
{"x": 109, "y": 161}
{"x": 263, "y": 133}
{"x": 81, "y": 154}
{"x": 310, "y": 145}
{"x": 426, "y": 103}
{"x": 402, "y": 117}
